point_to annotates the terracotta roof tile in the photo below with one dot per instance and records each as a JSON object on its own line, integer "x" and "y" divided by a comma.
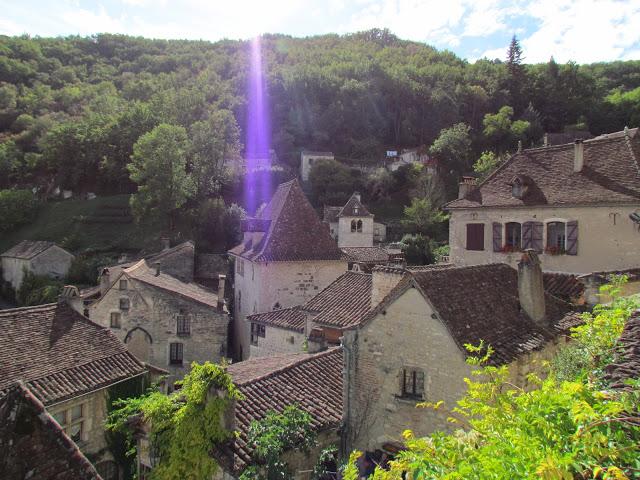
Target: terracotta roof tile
{"x": 60, "y": 354}
{"x": 288, "y": 318}
{"x": 143, "y": 272}
{"x": 312, "y": 381}
{"x": 354, "y": 208}
{"x": 610, "y": 174}
{"x": 366, "y": 254}
{"x": 33, "y": 445}
{"x": 295, "y": 233}
{"x": 563, "y": 285}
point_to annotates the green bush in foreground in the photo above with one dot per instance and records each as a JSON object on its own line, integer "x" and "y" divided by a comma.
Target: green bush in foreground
{"x": 570, "y": 427}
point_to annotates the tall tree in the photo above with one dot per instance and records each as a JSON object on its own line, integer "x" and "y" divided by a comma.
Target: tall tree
{"x": 158, "y": 167}
{"x": 517, "y": 76}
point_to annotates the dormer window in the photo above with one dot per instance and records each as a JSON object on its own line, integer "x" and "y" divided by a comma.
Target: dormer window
{"x": 519, "y": 187}
{"x": 355, "y": 210}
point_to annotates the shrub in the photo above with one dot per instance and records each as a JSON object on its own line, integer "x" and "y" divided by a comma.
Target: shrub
{"x": 17, "y": 207}
{"x": 37, "y": 289}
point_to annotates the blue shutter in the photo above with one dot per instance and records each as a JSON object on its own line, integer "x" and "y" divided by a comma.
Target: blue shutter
{"x": 527, "y": 235}
{"x": 497, "y": 237}
{"x": 572, "y": 237}
{"x": 537, "y": 232}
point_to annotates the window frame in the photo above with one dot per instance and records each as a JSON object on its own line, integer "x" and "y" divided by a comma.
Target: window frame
{"x": 359, "y": 226}
{"x": 183, "y": 321}
{"x": 257, "y": 331}
{"x": 124, "y": 304}
{"x": 176, "y": 353}
{"x": 508, "y": 245}
{"x": 68, "y": 422}
{"x": 118, "y": 323}
{"x": 549, "y": 248}
{"x": 480, "y": 227}
{"x": 123, "y": 284}
{"x": 416, "y": 383}
{"x": 354, "y": 226}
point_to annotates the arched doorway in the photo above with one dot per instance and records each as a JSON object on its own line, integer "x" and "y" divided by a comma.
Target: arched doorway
{"x": 138, "y": 342}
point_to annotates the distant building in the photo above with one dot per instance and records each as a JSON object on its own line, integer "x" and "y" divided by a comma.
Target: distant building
{"x": 352, "y": 225}
{"x": 34, "y": 446}
{"x": 163, "y": 320}
{"x": 68, "y": 363}
{"x": 577, "y": 205}
{"x": 286, "y": 256}
{"x": 38, "y": 257}
{"x": 409, "y": 156}
{"x": 308, "y": 158}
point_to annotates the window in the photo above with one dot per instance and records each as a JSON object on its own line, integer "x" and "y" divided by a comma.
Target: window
{"x": 475, "y": 236}
{"x": 354, "y": 225}
{"x": 359, "y": 225}
{"x": 257, "y": 330}
{"x": 124, "y": 304}
{"x": 123, "y": 285}
{"x": 72, "y": 421}
{"x": 513, "y": 235}
{"x": 412, "y": 383}
{"x": 183, "y": 325}
{"x": 240, "y": 267}
{"x": 175, "y": 353}
{"x": 115, "y": 319}
{"x": 556, "y": 237}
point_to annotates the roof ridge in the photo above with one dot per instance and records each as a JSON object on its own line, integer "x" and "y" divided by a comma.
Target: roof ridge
{"x": 45, "y": 306}
{"x": 306, "y": 357}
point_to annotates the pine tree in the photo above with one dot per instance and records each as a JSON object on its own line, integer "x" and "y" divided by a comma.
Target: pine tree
{"x": 517, "y": 76}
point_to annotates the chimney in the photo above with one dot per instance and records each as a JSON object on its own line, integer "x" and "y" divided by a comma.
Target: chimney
{"x": 166, "y": 243}
{"x": 546, "y": 139}
{"x": 467, "y": 184}
{"x": 156, "y": 265}
{"x": 530, "y": 287}
{"x": 519, "y": 146}
{"x": 222, "y": 280}
{"x": 578, "y": 155}
{"x": 357, "y": 195}
{"x": 383, "y": 280}
{"x": 105, "y": 281}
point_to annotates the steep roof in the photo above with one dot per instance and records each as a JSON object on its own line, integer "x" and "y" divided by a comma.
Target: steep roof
{"x": 33, "y": 445}
{"x": 311, "y": 381}
{"x": 288, "y": 318}
{"x": 330, "y": 214}
{"x": 28, "y": 249}
{"x": 611, "y": 174}
{"x": 354, "y": 208}
{"x": 293, "y": 231}
{"x": 563, "y": 285}
{"x": 144, "y": 273}
{"x": 626, "y": 365}
{"x": 366, "y": 254}
{"x": 59, "y": 354}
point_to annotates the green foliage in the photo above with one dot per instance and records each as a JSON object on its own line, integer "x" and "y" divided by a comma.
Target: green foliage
{"x": 159, "y": 168}
{"x": 185, "y": 425}
{"x": 274, "y": 435}
{"x": 421, "y": 217}
{"x": 503, "y": 131}
{"x": 418, "y": 249}
{"x": 486, "y": 164}
{"x": 327, "y": 464}
{"x": 332, "y": 183}
{"x": 37, "y": 290}
{"x": 17, "y": 207}
{"x": 453, "y": 146}
{"x": 566, "y": 428}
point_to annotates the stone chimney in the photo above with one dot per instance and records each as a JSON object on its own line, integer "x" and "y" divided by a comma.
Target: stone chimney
{"x": 530, "y": 287}
{"x": 384, "y": 279}
{"x": 156, "y": 265}
{"x": 467, "y": 184}
{"x": 358, "y": 196}
{"x": 166, "y": 243}
{"x": 105, "y": 281}
{"x": 578, "y": 155}
{"x": 222, "y": 280}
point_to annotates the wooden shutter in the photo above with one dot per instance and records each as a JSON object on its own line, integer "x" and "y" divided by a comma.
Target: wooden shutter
{"x": 419, "y": 386}
{"x": 537, "y": 232}
{"x": 497, "y": 237}
{"x": 572, "y": 237}
{"x": 475, "y": 236}
{"x": 527, "y": 235}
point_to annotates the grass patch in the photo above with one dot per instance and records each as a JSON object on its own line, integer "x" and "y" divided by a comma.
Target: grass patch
{"x": 102, "y": 224}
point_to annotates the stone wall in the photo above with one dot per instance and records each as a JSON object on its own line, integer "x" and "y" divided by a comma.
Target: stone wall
{"x": 53, "y": 262}
{"x": 263, "y": 286}
{"x": 347, "y": 238}
{"x": 607, "y": 238}
{"x": 278, "y": 341}
{"x": 149, "y": 326}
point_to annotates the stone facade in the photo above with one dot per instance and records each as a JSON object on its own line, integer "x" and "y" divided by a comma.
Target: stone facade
{"x": 607, "y": 239}
{"x": 351, "y": 233}
{"x": 262, "y": 286}
{"x": 277, "y": 341}
{"x": 53, "y": 262}
{"x": 148, "y": 320}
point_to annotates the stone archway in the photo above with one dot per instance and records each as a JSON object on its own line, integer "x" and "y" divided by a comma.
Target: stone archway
{"x": 138, "y": 342}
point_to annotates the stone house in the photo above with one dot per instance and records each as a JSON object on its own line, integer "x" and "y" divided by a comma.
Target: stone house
{"x": 69, "y": 364}
{"x": 38, "y": 257}
{"x": 577, "y": 205}
{"x": 33, "y": 445}
{"x": 308, "y": 158}
{"x": 410, "y": 347}
{"x": 285, "y": 258}
{"x": 352, "y": 225}
{"x": 164, "y": 321}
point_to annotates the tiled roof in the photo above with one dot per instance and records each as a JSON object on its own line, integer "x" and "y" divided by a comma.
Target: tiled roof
{"x": 366, "y": 254}
{"x": 143, "y": 272}
{"x": 354, "y": 208}
{"x": 59, "y": 354}
{"x": 563, "y": 285}
{"x": 295, "y": 232}
{"x": 288, "y": 318}
{"x": 611, "y": 174}
{"x": 33, "y": 445}
{"x": 331, "y": 214}
{"x": 626, "y": 365}
{"x": 27, "y": 249}
{"x": 481, "y": 303}
{"x": 343, "y": 302}
{"x": 311, "y": 381}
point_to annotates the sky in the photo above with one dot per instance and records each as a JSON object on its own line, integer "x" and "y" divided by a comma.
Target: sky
{"x": 583, "y": 31}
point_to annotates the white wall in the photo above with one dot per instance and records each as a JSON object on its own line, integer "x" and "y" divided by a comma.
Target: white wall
{"x": 602, "y": 245}
{"x": 54, "y": 262}
{"x": 347, "y": 238}
{"x": 278, "y": 341}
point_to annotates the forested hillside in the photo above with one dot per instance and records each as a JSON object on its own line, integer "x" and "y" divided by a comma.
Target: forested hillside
{"x": 74, "y": 107}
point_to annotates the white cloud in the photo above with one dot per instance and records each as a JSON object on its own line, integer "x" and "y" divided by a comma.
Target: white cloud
{"x": 7, "y": 27}
{"x": 86, "y": 22}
